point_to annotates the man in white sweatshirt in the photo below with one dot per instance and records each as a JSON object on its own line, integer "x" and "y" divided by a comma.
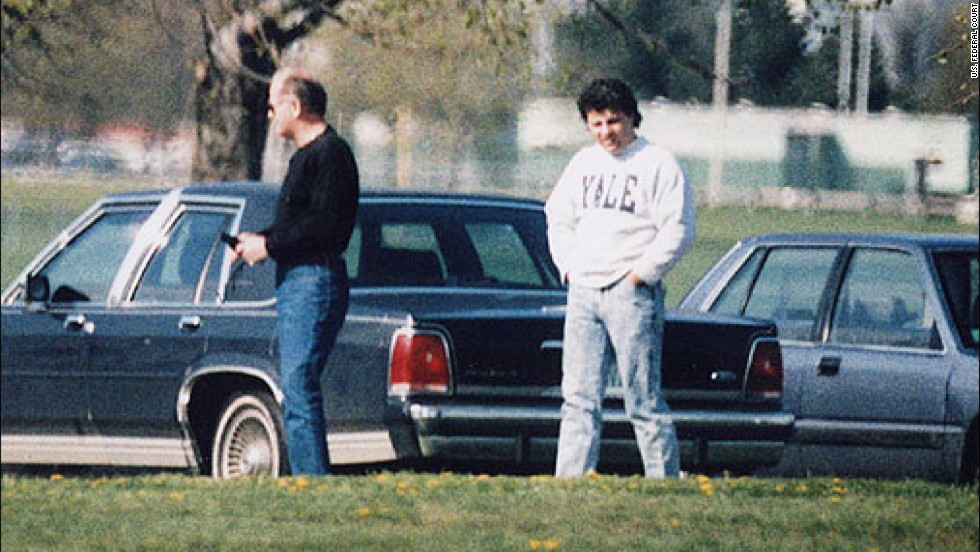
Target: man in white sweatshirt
{"x": 619, "y": 217}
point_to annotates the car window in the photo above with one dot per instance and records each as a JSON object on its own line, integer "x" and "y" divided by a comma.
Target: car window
{"x": 882, "y": 302}
{"x": 400, "y": 254}
{"x": 450, "y": 246}
{"x": 783, "y": 284}
{"x": 85, "y": 269}
{"x": 958, "y": 274}
{"x": 503, "y": 256}
{"x": 732, "y": 299}
{"x": 352, "y": 256}
{"x": 187, "y": 267}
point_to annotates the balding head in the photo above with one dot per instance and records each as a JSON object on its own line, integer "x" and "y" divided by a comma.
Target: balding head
{"x": 297, "y": 104}
{"x": 284, "y": 73}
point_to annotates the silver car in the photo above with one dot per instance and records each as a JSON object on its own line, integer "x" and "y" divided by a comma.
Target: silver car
{"x": 879, "y": 338}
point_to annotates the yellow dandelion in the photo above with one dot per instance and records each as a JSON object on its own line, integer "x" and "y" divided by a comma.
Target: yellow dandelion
{"x": 381, "y": 478}
{"x": 840, "y": 490}
{"x": 834, "y": 499}
{"x": 57, "y": 477}
{"x": 674, "y": 522}
{"x": 363, "y": 512}
{"x": 177, "y": 496}
{"x": 780, "y": 488}
{"x": 301, "y": 483}
{"x": 593, "y": 474}
{"x": 545, "y": 544}
{"x": 483, "y": 477}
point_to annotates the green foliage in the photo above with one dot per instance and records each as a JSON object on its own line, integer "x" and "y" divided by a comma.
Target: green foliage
{"x": 956, "y": 90}
{"x": 450, "y": 511}
{"x": 765, "y": 50}
{"x": 457, "y": 72}
{"x": 666, "y": 48}
{"x": 662, "y": 47}
{"x": 464, "y": 64}
{"x": 73, "y": 66}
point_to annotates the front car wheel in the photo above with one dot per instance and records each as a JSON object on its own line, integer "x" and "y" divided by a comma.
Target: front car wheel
{"x": 249, "y": 439}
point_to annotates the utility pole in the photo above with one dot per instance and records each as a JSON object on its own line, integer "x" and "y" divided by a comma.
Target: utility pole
{"x": 864, "y": 60}
{"x": 719, "y": 98}
{"x": 404, "y": 145}
{"x": 723, "y": 45}
{"x": 844, "y": 61}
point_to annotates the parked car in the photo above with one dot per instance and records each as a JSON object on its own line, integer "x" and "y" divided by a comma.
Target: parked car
{"x": 133, "y": 340}
{"x": 879, "y": 339}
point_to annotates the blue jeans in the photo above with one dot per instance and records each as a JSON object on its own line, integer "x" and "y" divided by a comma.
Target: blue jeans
{"x": 312, "y": 303}
{"x": 622, "y": 324}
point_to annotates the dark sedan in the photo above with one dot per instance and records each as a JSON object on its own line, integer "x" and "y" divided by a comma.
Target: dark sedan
{"x": 879, "y": 336}
{"x": 133, "y": 340}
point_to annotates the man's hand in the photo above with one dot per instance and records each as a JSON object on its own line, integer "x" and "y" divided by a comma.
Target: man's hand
{"x": 251, "y": 248}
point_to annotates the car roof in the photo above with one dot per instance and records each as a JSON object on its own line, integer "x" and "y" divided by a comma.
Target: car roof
{"x": 924, "y": 240}
{"x": 270, "y": 190}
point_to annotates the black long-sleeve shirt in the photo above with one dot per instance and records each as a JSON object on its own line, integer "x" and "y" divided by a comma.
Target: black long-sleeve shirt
{"x": 317, "y": 204}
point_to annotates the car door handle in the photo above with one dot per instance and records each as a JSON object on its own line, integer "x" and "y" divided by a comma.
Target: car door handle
{"x": 189, "y": 323}
{"x": 829, "y": 366}
{"x": 78, "y": 323}
{"x": 75, "y": 322}
{"x": 552, "y": 345}
{"x": 724, "y": 376}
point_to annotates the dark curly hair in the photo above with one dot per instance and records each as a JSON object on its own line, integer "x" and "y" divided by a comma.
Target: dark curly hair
{"x": 603, "y": 94}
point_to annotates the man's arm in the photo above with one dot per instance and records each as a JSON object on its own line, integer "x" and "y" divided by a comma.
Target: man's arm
{"x": 674, "y": 209}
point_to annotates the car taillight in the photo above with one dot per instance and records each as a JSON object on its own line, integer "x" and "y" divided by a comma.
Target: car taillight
{"x": 765, "y": 370}
{"x": 419, "y": 363}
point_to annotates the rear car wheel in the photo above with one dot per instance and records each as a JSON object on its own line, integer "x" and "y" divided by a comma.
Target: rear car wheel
{"x": 249, "y": 439}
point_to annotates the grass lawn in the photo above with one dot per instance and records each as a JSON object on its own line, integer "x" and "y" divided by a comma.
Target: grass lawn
{"x": 453, "y": 512}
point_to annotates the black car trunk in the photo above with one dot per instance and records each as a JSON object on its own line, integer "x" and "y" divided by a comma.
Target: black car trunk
{"x": 504, "y": 346}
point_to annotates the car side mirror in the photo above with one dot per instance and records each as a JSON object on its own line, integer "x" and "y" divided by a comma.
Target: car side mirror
{"x": 38, "y": 289}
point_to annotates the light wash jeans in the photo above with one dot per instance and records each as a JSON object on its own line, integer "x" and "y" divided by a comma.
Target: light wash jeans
{"x": 312, "y": 303}
{"x": 621, "y": 324}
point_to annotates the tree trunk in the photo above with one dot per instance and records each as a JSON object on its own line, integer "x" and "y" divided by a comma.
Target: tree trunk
{"x": 231, "y": 88}
{"x": 231, "y": 125}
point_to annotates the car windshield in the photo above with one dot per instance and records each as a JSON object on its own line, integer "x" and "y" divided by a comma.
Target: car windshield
{"x": 958, "y": 272}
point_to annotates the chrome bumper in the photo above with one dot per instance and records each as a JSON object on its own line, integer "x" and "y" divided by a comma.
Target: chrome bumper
{"x": 528, "y": 434}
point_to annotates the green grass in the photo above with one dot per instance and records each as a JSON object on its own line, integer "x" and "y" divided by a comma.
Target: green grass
{"x": 451, "y": 512}
{"x": 34, "y": 213}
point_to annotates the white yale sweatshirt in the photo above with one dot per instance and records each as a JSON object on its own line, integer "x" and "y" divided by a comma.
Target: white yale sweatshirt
{"x": 612, "y": 214}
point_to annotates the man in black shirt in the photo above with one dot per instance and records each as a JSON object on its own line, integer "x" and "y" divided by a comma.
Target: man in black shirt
{"x": 313, "y": 224}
